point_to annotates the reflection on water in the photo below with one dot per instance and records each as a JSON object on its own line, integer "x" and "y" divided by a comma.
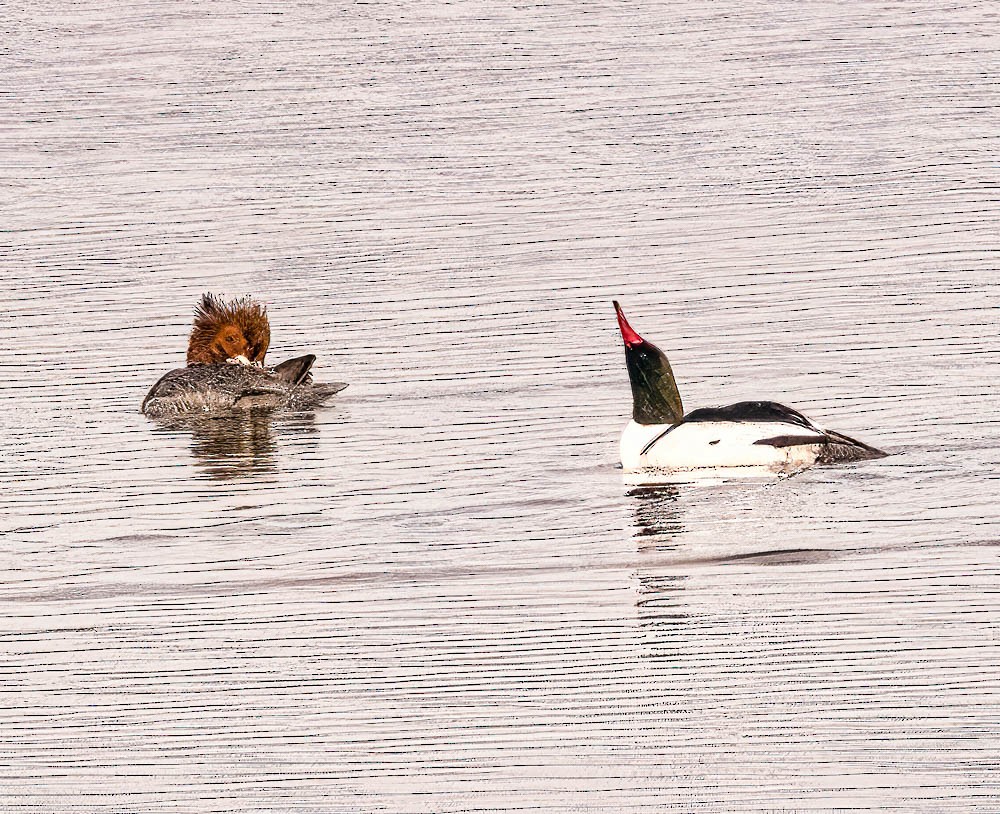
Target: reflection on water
{"x": 713, "y": 476}
{"x": 240, "y": 444}
{"x": 229, "y": 447}
{"x": 657, "y": 516}
{"x": 658, "y": 603}
{"x": 662, "y": 612}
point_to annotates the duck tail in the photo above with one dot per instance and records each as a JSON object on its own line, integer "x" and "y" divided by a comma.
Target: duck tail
{"x": 840, "y": 448}
{"x": 321, "y": 391}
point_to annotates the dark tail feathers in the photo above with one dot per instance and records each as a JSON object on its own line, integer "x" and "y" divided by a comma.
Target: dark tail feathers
{"x": 295, "y": 371}
{"x": 840, "y": 447}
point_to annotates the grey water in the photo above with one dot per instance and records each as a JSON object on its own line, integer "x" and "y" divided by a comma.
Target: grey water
{"x": 439, "y": 594}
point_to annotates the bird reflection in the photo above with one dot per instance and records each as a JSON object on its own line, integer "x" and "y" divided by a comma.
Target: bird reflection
{"x": 659, "y": 603}
{"x": 662, "y": 615}
{"x": 657, "y": 517}
{"x": 238, "y": 445}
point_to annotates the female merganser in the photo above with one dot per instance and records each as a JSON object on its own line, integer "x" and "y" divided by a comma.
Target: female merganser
{"x": 226, "y": 369}
{"x": 749, "y": 434}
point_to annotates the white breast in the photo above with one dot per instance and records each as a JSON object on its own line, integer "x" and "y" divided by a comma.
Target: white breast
{"x": 715, "y": 445}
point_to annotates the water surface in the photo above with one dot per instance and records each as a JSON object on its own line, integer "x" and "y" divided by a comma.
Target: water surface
{"x": 438, "y": 594}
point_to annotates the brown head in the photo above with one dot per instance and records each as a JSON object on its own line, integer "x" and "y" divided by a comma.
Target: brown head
{"x": 223, "y": 330}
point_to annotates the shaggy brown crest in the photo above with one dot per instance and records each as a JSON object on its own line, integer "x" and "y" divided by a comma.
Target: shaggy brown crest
{"x": 223, "y": 330}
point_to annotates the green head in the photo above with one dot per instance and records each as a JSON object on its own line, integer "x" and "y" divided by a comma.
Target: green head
{"x": 655, "y": 399}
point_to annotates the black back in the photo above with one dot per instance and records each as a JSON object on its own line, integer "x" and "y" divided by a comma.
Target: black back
{"x": 751, "y": 411}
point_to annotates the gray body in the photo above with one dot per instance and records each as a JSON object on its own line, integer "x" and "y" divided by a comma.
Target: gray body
{"x": 218, "y": 389}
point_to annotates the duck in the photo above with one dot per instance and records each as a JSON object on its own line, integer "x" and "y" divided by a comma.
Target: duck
{"x": 755, "y": 436}
{"x": 226, "y": 371}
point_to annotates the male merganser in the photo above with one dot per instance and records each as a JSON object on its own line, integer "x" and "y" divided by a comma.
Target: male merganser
{"x": 226, "y": 369}
{"x": 749, "y": 434}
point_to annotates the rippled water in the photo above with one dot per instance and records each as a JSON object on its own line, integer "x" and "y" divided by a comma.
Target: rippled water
{"x": 438, "y": 595}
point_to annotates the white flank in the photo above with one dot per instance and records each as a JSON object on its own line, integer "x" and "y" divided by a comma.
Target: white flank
{"x": 715, "y": 445}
